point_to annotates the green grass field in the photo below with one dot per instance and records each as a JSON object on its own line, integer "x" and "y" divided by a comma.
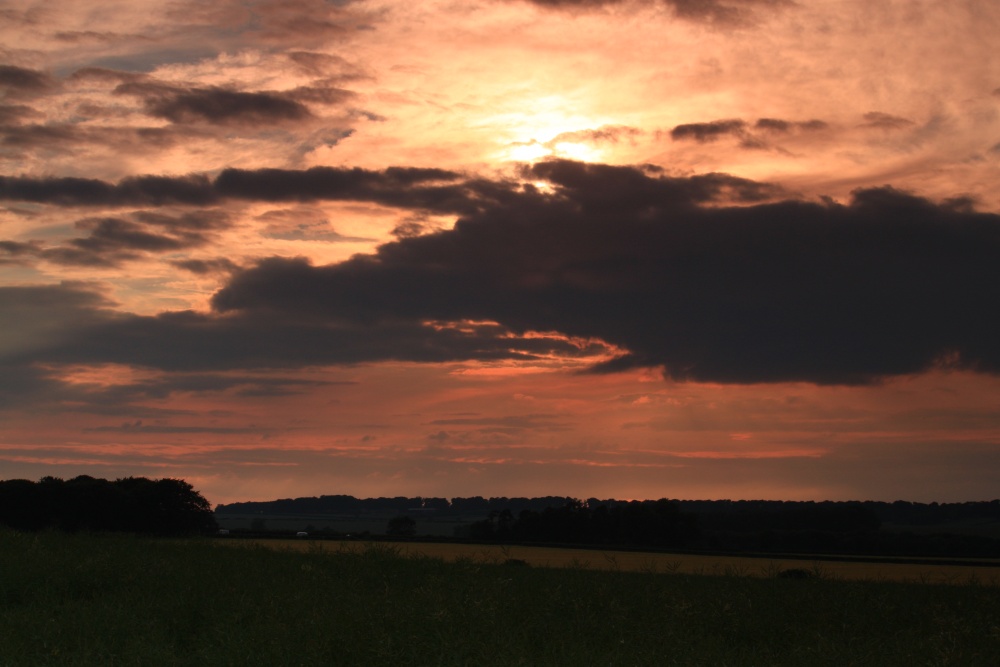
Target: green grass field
{"x": 113, "y": 600}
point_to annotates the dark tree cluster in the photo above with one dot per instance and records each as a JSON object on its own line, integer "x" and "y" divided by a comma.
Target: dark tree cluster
{"x": 756, "y": 515}
{"x": 649, "y": 523}
{"x": 130, "y": 504}
{"x": 855, "y": 527}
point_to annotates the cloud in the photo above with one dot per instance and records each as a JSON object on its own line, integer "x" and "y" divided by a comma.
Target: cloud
{"x": 189, "y": 341}
{"x": 609, "y": 133}
{"x": 704, "y": 132}
{"x": 134, "y": 191}
{"x": 112, "y": 241}
{"x": 710, "y": 277}
{"x": 331, "y": 67}
{"x": 14, "y": 113}
{"x": 780, "y": 126}
{"x": 217, "y": 106}
{"x": 138, "y": 427}
{"x": 719, "y": 12}
{"x": 303, "y": 223}
{"x": 603, "y": 188}
{"x": 16, "y": 252}
{"x": 419, "y": 188}
{"x": 764, "y": 128}
{"x": 888, "y": 284}
{"x": 19, "y": 81}
{"x": 884, "y": 121}
{"x": 104, "y": 75}
{"x": 207, "y": 266}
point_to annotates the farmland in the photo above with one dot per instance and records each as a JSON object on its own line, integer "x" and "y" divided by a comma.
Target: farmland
{"x": 985, "y": 573}
{"x": 99, "y": 599}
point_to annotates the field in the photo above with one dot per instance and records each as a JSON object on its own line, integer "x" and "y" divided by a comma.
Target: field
{"x": 983, "y": 572}
{"x": 115, "y": 600}
{"x": 367, "y": 521}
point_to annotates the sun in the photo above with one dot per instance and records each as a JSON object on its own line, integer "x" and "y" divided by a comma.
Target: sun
{"x": 577, "y": 151}
{"x": 539, "y": 148}
{"x": 552, "y": 128}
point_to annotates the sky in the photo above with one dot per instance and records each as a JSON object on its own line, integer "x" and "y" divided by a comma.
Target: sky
{"x": 629, "y": 249}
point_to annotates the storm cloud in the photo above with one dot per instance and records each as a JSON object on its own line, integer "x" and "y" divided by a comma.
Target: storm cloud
{"x": 887, "y": 284}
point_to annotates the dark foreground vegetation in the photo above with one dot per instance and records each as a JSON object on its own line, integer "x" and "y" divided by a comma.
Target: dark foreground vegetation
{"x": 80, "y": 599}
{"x": 130, "y": 504}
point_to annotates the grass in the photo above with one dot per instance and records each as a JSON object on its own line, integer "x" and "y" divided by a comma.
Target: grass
{"x": 102, "y": 600}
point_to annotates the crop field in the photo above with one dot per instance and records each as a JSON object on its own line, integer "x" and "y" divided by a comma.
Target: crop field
{"x": 982, "y": 572}
{"x": 120, "y": 600}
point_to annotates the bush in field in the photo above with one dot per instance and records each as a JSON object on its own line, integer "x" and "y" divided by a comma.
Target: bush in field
{"x": 131, "y": 504}
{"x": 401, "y": 526}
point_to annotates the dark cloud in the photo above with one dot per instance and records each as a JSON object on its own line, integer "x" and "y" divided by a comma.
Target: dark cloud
{"x": 214, "y": 105}
{"x": 718, "y": 12}
{"x": 19, "y": 140}
{"x": 104, "y": 75}
{"x": 112, "y": 241}
{"x": 413, "y": 227}
{"x": 18, "y": 81}
{"x": 884, "y": 121}
{"x": 395, "y": 186}
{"x": 136, "y": 191}
{"x": 189, "y": 341}
{"x": 711, "y": 131}
{"x": 432, "y": 189}
{"x": 607, "y": 133}
{"x": 78, "y": 36}
{"x": 199, "y": 384}
{"x": 789, "y": 291}
{"x": 16, "y": 252}
{"x": 36, "y": 317}
{"x": 73, "y": 324}
{"x": 15, "y": 113}
{"x": 780, "y": 126}
{"x": 319, "y": 95}
{"x": 764, "y": 129}
{"x": 604, "y": 188}
{"x": 204, "y": 267}
{"x": 706, "y": 276}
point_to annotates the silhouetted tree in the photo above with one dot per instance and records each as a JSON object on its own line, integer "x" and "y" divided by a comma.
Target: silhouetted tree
{"x": 132, "y": 504}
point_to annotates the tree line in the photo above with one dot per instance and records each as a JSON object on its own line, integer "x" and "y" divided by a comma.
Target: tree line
{"x": 654, "y": 523}
{"x": 828, "y": 527}
{"x": 130, "y": 504}
{"x": 344, "y": 504}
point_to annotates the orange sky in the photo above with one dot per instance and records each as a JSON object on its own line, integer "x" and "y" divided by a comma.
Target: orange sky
{"x": 632, "y": 249}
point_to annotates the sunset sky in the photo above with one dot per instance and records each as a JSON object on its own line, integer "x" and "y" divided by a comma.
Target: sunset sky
{"x": 634, "y": 249}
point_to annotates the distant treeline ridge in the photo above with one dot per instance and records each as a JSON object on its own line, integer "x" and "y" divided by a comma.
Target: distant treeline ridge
{"x": 713, "y": 513}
